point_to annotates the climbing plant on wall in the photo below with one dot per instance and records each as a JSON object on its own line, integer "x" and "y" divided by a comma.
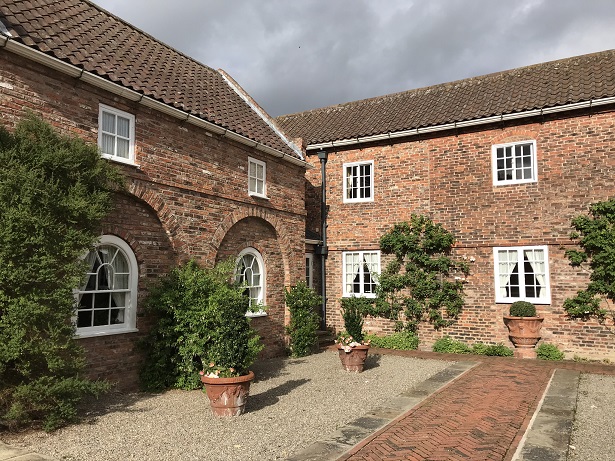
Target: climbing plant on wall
{"x": 595, "y": 233}
{"x": 423, "y": 280}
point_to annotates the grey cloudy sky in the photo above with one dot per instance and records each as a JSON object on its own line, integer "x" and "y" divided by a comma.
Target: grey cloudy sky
{"x": 295, "y": 55}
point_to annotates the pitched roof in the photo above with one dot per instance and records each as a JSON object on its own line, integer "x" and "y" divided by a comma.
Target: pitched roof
{"x": 540, "y": 86}
{"x": 88, "y": 37}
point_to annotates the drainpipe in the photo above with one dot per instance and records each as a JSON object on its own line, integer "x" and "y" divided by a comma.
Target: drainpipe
{"x": 323, "y": 250}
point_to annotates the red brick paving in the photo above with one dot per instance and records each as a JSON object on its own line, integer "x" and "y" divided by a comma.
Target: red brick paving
{"x": 480, "y": 416}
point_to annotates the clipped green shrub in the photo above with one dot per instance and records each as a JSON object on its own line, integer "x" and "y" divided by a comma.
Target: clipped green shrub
{"x": 401, "y": 340}
{"x": 54, "y": 192}
{"x": 354, "y": 310}
{"x": 547, "y": 351}
{"x": 497, "y": 350}
{"x": 448, "y": 345}
{"x": 522, "y": 309}
{"x": 302, "y": 302}
{"x": 200, "y": 320}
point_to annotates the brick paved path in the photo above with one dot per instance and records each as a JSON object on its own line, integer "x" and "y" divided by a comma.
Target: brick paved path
{"x": 480, "y": 416}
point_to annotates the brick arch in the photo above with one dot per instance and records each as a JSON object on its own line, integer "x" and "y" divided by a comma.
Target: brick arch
{"x": 165, "y": 215}
{"x": 516, "y": 134}
{"x": 281, "y": 231}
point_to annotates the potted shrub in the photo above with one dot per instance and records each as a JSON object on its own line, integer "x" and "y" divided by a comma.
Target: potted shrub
{"x": 523, "y": 328}
{"x": 201, "y": 329}
{"x": 230, "y": 349}
{"x": 352, "y": 346}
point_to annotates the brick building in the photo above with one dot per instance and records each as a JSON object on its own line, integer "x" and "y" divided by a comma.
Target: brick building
{"x": 208, "y": 174}
{"x": 503, "y": 161}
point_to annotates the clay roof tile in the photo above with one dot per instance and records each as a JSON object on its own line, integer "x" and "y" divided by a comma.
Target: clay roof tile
{"x": 81, "y": 33}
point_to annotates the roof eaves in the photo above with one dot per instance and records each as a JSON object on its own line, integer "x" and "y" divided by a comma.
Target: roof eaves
{"x": 11, "y": 45}
{"x": 465, "y": 123}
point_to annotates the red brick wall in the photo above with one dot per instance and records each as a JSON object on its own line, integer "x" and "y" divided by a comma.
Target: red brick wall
{"x": 116, "y": 357}
{"x": 260, "y": 235}
{"x": 449, "y": 177}
{"x": 190, "y": 187}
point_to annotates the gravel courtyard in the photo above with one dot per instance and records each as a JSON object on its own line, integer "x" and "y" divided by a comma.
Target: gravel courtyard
{"x": 293, "y": 403}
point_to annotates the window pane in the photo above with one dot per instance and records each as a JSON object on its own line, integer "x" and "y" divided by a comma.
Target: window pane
{"x": 101, "y": 317}
{"x": 260, "y": 171}
{"x": 108, "y": 144}
{"x": 123, "y": 127}
{"x": 117, "y": 316}
{"x": 84, "y": 319}
{"x": 123, "y": 148}
{"x": 108, "y": 123}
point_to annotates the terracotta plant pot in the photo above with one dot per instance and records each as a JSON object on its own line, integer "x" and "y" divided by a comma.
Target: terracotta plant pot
{"x": 524, "y": 332}
{"x": 355, "y": 359}
{"x": 227, "y": 396}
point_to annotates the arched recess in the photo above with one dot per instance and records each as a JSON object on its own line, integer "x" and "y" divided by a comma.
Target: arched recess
{"x": 283, "y": 236}
{"x": 170, "y": 224}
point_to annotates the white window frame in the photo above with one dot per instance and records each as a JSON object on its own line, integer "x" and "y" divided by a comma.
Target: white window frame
{"x": 309, "y": 269}
{"x": 347, "y": 179}
{"x": 257, "y": 179}
{"x": 345, "y": 281}
{"x": 130, "y": 313}
{"x": 263, "y": 277}
{"x": 131, "y": 139}
{"x": 517, "y": 166}
{"x": 500, "y": 296}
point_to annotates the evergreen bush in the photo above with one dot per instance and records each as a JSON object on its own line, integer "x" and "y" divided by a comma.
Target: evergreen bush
{"x": 497, "y": 350}
{"x": 302, "y": 303}
{"x": 54, "y": 192}
{"x": 448, "y": 345}
{"x": 200, "y": 320}
{"x": 522, "y": 309}
{"x": 401, "y": 340}
{"x": 549, "y": 352}
{"x": 354, "y": 310}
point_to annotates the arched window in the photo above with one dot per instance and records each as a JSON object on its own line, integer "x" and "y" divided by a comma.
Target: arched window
{"x": 107, "y": 301}
{"x": 250, "y": 271}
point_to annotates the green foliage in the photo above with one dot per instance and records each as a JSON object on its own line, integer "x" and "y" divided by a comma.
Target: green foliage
{"x": 354, "y": 310}
{"x": 54, "y": 192}
{"x": 421, "y": 280}
{"x": 549, "y": 352}
{"x": 401, "y": 340}
{"x": 497, "y": 350}
{"x": 302, "y": 303}
{"x": 522, "y": 309}
{"x": 448, "y": 345}
{"x": 200, "y": 320}
{"x": 596, "y": 235}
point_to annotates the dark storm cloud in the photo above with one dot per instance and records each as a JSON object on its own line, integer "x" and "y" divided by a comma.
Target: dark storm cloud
{"x": 301, "y": 54}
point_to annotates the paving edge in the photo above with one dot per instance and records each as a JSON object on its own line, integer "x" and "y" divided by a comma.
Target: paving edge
{"x": 345, "y": 438}
{"x": 549, "y": 432}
